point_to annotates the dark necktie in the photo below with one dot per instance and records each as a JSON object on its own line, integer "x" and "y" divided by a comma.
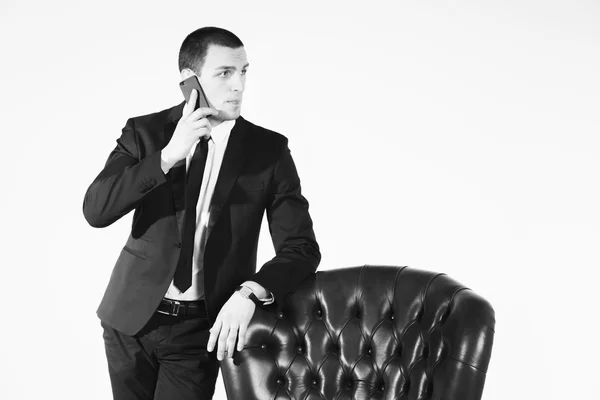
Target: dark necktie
{"x": 183, "y": 273}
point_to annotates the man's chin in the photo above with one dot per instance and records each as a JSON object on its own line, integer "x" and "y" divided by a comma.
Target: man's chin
{"x": 228, "y": 115}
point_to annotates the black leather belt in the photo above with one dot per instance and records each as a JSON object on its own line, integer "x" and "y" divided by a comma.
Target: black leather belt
{"x": 181, "y": 308}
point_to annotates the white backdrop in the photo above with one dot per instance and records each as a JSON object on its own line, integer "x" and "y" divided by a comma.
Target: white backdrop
{"x": 459, "y": 137}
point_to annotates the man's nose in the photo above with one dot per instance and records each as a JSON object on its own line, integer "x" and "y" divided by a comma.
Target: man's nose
{"x": 237, "y": 82}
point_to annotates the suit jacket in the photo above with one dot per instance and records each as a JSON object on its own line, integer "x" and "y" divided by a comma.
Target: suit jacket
{"x": 257, "y": 174}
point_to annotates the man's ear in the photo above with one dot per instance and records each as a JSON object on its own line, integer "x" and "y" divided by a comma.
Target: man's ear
{"x": 186, "y": 73}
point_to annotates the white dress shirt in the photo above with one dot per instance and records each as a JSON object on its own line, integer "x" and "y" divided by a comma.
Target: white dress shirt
{"x": 216, "y": 150}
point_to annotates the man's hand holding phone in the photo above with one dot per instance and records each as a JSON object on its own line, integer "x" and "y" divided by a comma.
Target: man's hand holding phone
{"x": 191, "y": 127}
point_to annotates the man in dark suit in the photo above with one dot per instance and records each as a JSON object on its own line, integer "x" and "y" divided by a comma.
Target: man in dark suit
{"x": 199, "y": 182}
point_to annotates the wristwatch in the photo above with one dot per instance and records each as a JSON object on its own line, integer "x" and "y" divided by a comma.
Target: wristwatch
{"x": 246, "y": 292}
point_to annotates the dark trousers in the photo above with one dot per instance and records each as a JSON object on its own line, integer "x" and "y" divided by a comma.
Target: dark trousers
{"x": 167, "y": 359}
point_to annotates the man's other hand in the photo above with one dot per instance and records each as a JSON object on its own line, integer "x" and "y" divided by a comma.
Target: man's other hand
{"x": 232, "y": 321}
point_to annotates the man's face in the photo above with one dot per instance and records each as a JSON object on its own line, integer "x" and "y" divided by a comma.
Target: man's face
{"x": 223, "y": 79}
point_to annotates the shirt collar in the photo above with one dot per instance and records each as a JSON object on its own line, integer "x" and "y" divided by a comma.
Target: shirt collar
{"x": 221, "y": 132}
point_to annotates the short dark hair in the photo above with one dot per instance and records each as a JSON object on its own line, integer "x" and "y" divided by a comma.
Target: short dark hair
{"x": 195, "y": 46}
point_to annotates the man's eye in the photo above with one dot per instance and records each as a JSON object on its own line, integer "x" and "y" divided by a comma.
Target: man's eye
{"x": 244, "y": 71}
{"x": 225, "y": 73}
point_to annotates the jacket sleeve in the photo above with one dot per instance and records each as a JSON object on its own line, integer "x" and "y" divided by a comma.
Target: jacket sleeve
{"x": 124, "y": 182}
{"x": 297, "y": 251}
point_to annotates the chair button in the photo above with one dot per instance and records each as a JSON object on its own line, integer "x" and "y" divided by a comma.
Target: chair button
{"x": 280, "y": 381}
{"x": 314, "y": 382}
{"x": 299, "y": 349}
{"x": 369, "y": 351}
{"x": 280, "y": 315}
{"x": 263, "y": 346}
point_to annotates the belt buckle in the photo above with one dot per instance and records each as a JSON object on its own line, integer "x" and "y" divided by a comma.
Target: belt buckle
{"x": 174, "y": 308}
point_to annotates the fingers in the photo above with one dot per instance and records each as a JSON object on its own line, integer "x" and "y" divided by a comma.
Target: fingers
{"x": 201, "y": 112}
{"x": 197, "y": 128}
{"x": 188, "y": 108}
{"x": 242, "y": 337}
{"x": 233, "y": 333}
{"x": 230, "y": 325}
{"x": 223, "y": 336}
{"x": 201, "y": 123}
{"x": 214, "y": 335}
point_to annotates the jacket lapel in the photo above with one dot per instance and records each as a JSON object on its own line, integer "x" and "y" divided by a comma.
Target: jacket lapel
{"x": 233, "y": 161}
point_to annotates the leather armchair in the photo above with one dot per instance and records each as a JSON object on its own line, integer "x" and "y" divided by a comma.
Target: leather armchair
{"x": 370, "y": 332}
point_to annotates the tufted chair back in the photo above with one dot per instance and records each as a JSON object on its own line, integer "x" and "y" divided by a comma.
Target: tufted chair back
{"x": 370, "y": 332}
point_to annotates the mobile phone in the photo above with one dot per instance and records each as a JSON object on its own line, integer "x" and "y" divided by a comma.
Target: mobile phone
{"x": 186, "y": 87}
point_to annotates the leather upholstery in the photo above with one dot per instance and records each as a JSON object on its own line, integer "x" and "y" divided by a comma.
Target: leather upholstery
{"x": 370, "y": 332}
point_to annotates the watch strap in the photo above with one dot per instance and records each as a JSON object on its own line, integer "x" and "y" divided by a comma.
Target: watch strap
{"x": 251, "y": 295}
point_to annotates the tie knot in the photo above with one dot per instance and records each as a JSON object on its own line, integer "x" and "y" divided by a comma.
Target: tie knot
{"x": 203, "y": 143}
